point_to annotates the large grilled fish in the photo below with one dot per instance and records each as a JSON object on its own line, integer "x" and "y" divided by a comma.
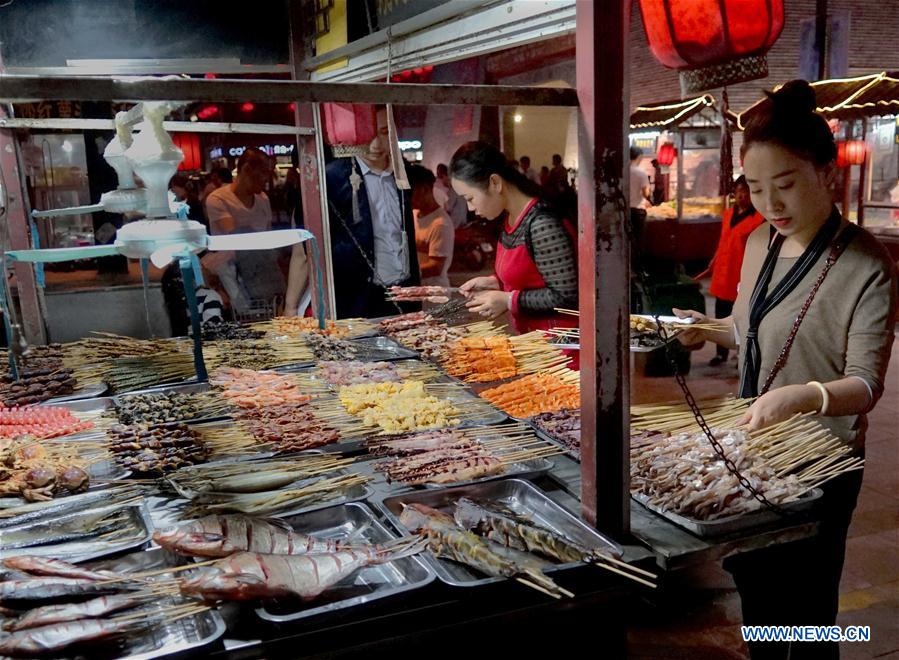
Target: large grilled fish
{"x": 249, "y": 575}
{"x": 220, "y": 536}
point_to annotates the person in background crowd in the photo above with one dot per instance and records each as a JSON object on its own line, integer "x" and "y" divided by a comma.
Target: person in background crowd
{"x": 185, "y": 191}
{"x": 372, "y": 230}
{"x": 243, "y": 207}
{"x": 558, "y": 177}
{"x": 433, "y": 229}
{"x": 639, "y": 198}
{"x": 445, "y": 195}
{"x": 218, "y": 177}
{"x": 737, "y": 223}
{"x": 832, "y": 364}
{"x": 544, "y": 176}
{"x": 293, "y": 198}
{"x": 658, "y": 183}
{"x": 536, "y": 258}
{"x": 529, "y": 171}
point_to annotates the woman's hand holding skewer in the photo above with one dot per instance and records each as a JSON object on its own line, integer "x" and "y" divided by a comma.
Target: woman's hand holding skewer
{"x": 723, "y": 334}
{"x": 779, "y": 405}
{"x": 489, "y": 304}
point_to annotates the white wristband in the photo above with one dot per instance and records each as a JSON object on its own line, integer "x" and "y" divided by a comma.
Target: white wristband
{"x": 825, "y": 396}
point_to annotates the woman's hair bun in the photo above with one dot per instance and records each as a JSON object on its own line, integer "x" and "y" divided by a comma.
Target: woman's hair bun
{"x": 795, "y": 97}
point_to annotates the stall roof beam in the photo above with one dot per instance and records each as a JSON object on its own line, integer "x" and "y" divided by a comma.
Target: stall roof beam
{"x": 34, "y": 88}
{"x": 453, "y": 31}
{"x": 81, "y": 124}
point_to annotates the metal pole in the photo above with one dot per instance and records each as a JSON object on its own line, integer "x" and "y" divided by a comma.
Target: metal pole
{"x": 312, "y": 167}
{"x": 604, "y": 262}
{"x": 862, "y": 175}
{"x": 680, "y": 175}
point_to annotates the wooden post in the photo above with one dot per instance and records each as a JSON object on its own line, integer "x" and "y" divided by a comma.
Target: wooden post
{"x": 604, "y": 261}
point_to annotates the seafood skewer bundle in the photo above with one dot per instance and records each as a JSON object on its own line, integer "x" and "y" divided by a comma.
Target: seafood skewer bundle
{"x": 353, "y": 372}
{"x": 405, "y": 322}
{"x": 498, "y": 357}
{"x": 159, "y": 408}
{"x": 684, "y": 475}
{"x": 537, "y": 393}
{"x": 216, "y": 329}
{"x": 563, "y": 425}
{"x": 247, "y": 388}
{"x": 256, "y": 353}
{"x": 255, "y": 476}
{"x": 435, "y": 294}
{"x": 433, "y": 339}
{"x": 445, "y": 457}
{"x": 288, "y": 428}
{"x": 507, "y": 528}
{"x": 40, "y": 422}
{"x": 36, "y": 385}
{"x": 252, "y": 575}
{"x": 447, "y": 540}
{"x": 296, "y": 325}
{"x": 156, "y": 448}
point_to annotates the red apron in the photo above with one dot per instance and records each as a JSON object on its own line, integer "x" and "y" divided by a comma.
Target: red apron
{"x": 516, "y": 271}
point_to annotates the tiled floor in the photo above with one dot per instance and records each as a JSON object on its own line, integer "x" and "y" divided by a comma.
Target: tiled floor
{"x": 702, "y": 616}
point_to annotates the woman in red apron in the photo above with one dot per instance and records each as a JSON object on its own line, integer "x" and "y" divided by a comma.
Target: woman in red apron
{"x": 536, "y": 258}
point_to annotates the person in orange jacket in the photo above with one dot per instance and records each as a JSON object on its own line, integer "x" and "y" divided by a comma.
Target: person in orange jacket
{"x": 737, "y": 223}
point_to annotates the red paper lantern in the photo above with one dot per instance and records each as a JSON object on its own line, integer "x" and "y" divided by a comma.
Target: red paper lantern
{"x": 189, "y": 144}
{"x": 667, "y": 154}
{"x": 349, "y": 124}
{"x": 856, "y": 151}
{"x": 713, "y": 42}
{"x": 248, "y": 107}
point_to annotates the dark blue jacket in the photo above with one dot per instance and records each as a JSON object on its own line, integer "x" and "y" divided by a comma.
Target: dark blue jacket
{"x": 354, "y": 290}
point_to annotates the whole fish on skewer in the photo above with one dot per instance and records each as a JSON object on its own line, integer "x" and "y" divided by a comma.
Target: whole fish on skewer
{"x": 223, "y": 535}
{"x": 52, "y": 638}
{"x": 91, "y": 609}
{"x": 251, "y": 575}
{"x": 77, "y": 525}
{"x": 47, "y": 567}
{"x": 448, "y": 540}
{"x": 49, "y": 588}
{"x": 514, "y": 531}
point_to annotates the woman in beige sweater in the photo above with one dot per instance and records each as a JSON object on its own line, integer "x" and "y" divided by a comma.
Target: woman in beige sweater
{"x": 837, "y": 359}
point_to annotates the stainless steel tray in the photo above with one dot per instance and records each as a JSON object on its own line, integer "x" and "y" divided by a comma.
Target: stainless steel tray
{"x": 86, "y": 392}
{"x": 98, "y": 404}
{"x": 383, "y": 348}
{"x": 520, "y": 496}
{"x": 731, "y": 524}
{"x": 364, "y": 586}
{"x": 183, "y": 388}
{"x": 85, "y": 550}
{"x": 184, "y": 635}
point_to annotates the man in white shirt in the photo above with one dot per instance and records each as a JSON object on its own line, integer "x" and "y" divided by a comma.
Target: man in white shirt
{"x": 448, "y": 198}
{"x": 372, "y": 231}
{"x": 242, "y": 207}
{"x": 638, "y": 194}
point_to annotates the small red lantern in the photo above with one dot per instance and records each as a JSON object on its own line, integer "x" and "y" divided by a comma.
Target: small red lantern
{"x": 841, "y": 153}
{"x": 855, "y": 152}
{"x": 348, "y": 126}
{"x": 189, "y": 144}
{"x": 667, "y": 154}
{"x": 713, "y": 42}
{"x": 247, "y": 107}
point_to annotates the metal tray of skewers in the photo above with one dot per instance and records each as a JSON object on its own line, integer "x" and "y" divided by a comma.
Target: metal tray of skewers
{"x": 174, "y": 626}
{"x": 379, "y": 348}
{"x": 357, "y": 522}
{"x": 732, "y": 524}
{"x": 248, "y": 471}
{"x": 517, "y": 495}
{"x": 77, "y": 528}
{"x": 382, "y": 460}
{"x": 86, "y": 392}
